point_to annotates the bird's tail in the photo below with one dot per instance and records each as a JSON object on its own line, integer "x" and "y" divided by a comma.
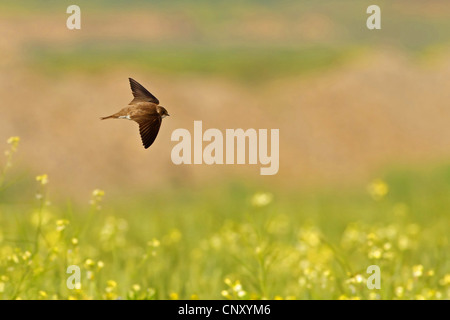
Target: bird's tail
{"x": 108, "y": 117}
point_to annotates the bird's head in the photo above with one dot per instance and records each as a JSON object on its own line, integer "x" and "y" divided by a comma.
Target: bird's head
{"x": 162, "y": 112}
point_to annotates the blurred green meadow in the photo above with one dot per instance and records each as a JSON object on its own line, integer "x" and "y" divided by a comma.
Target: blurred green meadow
{"x": 364, "y": 173}
{"x": 234, "y": 241}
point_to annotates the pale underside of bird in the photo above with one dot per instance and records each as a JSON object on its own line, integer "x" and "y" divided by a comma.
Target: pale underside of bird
{"x": 145, "y": 110}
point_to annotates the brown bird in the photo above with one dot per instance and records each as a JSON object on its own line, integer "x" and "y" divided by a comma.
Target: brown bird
{"x": 145, "y": 110}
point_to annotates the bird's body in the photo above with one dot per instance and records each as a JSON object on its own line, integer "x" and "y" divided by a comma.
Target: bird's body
{"x": 145, "y": 110}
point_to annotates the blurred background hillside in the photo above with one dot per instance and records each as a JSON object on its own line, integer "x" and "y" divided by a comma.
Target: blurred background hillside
{"x": 348, "y": 101}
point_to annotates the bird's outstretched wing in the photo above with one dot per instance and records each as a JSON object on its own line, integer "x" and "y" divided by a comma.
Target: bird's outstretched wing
{"x": 149, "y": 128}
{"x": 141, "y": 94}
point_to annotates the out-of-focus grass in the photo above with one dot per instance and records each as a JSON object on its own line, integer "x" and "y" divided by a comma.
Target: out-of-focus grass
{"x": 251, "y": 63}
{"x": 234, "y": 242}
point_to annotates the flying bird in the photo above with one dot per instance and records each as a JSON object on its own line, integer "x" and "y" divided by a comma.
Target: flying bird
{"x": 145, "y": 110}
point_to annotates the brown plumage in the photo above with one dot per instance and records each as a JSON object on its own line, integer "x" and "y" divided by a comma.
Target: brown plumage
{"x": 145, "y": 110}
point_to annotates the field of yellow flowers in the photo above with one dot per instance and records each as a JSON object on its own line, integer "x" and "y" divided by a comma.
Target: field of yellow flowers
{"x": 231, "y": 242}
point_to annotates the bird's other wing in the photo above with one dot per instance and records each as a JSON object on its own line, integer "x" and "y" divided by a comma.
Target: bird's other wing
{"x": 141, "y": 94}
{"x": 149, "y": 128}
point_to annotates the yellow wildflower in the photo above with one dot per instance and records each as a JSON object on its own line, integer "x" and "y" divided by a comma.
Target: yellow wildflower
{"x": 153, "y": 243}
{"x": 136, "y": 287}
{"x": 61, "y": 224}
{"x": 445, "y": 281}
{"x": 13, "y": 141}
{"x": 225, "y": 294}
{"x": 98, "y": 193}
{"x": 89, "y": 263}
{"x": 100, "y": 265}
